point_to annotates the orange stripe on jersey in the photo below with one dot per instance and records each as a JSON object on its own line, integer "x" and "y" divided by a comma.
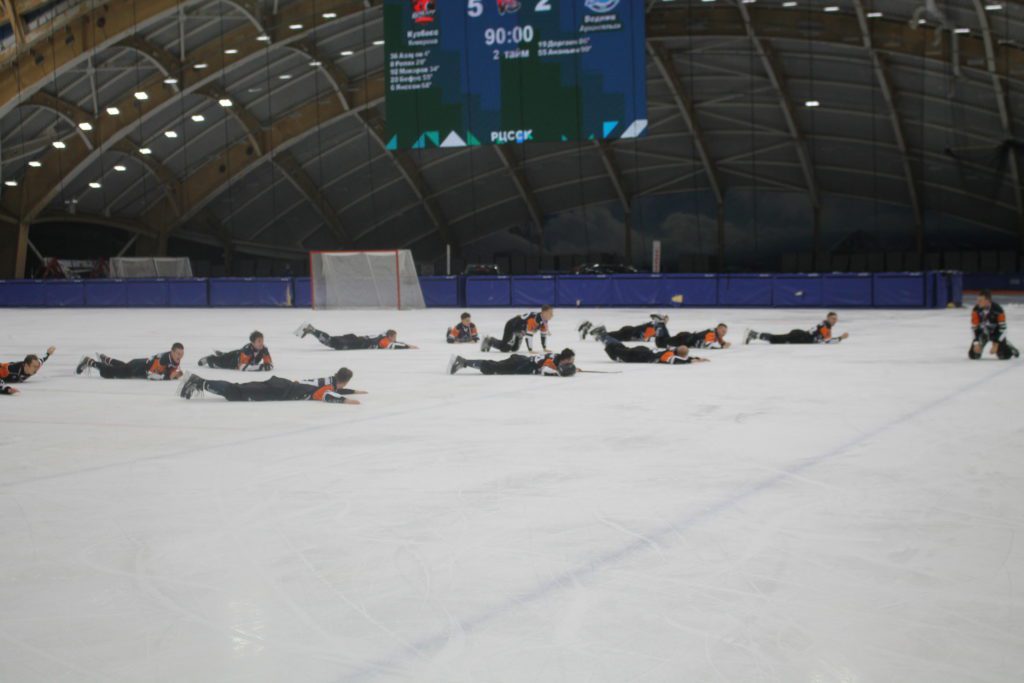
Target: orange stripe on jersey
{"x": 975, "y": 320}
{"x": 1001, "y": 318}
{"x": 648, "y": 332}
{"x": 155, "y": 368}
{"x": 666, "y": 357}
{"x": 319, "y": 394}
{"x": 548, "y": 363}
{"x": 531, "y": 324}
{"x": 5, "y": 370}
{"x": 826, "y": 332}
{"x": 710, "y": 337}
{"x": 244, "y": 359}
{"x": 384, "y": 343}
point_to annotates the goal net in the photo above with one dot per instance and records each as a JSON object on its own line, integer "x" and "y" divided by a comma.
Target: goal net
{"x": 129, "y": 267}
{"x": 364, "y": 279}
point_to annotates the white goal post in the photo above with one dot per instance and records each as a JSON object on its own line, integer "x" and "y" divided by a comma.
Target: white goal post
{"x": 146, "y": 266}
{"x": 364, "y": 279}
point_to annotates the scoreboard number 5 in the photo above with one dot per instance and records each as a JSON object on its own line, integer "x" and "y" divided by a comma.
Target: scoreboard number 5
{"x": 475, "y": 8}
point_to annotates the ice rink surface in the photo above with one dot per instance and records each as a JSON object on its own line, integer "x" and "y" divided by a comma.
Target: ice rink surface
{"x": 843, "y": 513}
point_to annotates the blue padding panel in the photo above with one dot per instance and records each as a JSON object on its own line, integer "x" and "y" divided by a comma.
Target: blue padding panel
{"x": 106, "y": 292}
{"x": 488, "y": 291}
{"x": 188, "y": 293}
{"x": 440, "y": 290}
{"x": 301, "y": 293}
{"x": 958, "y": 288}
{"x": 899, "y": 290}
{"x": 22, "y": 293}
{"x": 745, "y": 290}
{"x": 639, "y": 290}
{"x": 250, "y": 291}
{"x": 533, "y": 290}
{"x": 852, "y": 289}
{"x": 796, "y": 290}
{"x": 65, "y": 293}
{"x": 697, "y": 290}
{"x": 583, "y": 290}
{"x": 148, "y": 293}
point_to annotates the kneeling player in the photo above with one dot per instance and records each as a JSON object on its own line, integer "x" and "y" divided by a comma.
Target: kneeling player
{"x": 253, "y": 357}
{"x": 550, "y": 365}
{"x": 988, "y": 320}
{"x": 351, "y": 342}
{"x": 327, "y": 389}
{"x": 673, "y": 355}
{"x": 654, "y": 330}
{"x": 18, "y": 372}
{"x": 520, "y": 328}
{"x": 822, "y": 334}
{"x": 706, "y": 339}
{"x": 158, "y": 367}
{"x": 464, "y": 332}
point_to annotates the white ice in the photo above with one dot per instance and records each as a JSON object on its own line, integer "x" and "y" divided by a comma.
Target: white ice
{"x": 806, "y": 513}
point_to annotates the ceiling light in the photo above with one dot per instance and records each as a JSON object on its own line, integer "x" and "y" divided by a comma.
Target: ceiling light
{"x": 378, "y": 42}
{"x": 347, "y": 53}
{"x": 700, "y": 0}
{"x": 295, "y": 27}
{"x": 995, "y": 7}
{"x": 198, "y": 118}
{"x": 170, "y": 134}
{"x": 200, "y": 66}
{"x": 811, "y": 104}
{"x": 34, "y": 164}
{"x": 789, "y": 4}
{"x": 120, "y": 168}
{"x": 94, "y": 185}
{"x": 231, "y": 51}
{"x": 224, "y": 102}
{"x": 749, "y": 2}
{"x": 85, "y": 125}
{"x": 113, "y": 111}
{"x": 874, "y": 15}
{"x": 330, "y": 15}
{"x": 832, "y": 8}
{"x": 11, "y": 183}
{"x": 145, "y": 151}
{"x": 141, "y": 96}
{"x": 961, "y": 30}
{"x": 170, "y": 80}
{"x": 285, "y": 77}
{"x": 263, "y": 39}
{"x": 58, "y": 144}
{"x": 315, "y": 63}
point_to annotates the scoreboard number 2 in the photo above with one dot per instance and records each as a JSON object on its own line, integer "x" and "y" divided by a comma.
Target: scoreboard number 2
{"x": 475, "y": 8}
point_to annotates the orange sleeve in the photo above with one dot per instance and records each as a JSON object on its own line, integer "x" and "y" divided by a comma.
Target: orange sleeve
{"x": 826, "y": 332}
{"x": 384, "y": 343}
{"x": 244, "y": 359}
{"x": 667, "y": 357}
{"x": 710, "y": 337}
{"x": 648, "y": 332}
{"x": 975, "y": 320}
{"x": 531, "y": 325}
{"x": 4, "y": 370}
{"x": 155, "y": 367}
{"x": 1001, "y": 318}
{"x": 266, "y": 359}
{"x": 318, "y": 395}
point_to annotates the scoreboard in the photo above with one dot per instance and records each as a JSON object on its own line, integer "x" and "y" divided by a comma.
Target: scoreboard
{"x": 470, "y": 72}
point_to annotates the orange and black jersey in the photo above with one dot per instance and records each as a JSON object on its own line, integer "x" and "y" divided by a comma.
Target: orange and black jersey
{"x": 707, "y": 339}
{"x": 529, "y": 324}
{"x": 251, "y": 359}
{"x": 462, "y": 333}
{"x": 989, "y": 323}
{"x": 669, "y": 357}
{"x": 161, "y": 366}
{"x": 14, "y": 373}
{"x": 320, "y": 389}
{"x": 823, "y": 334}
{"x": 381, "y": 341}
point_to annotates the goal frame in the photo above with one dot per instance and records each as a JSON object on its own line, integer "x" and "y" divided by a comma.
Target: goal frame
{"x": 398, "y": 274}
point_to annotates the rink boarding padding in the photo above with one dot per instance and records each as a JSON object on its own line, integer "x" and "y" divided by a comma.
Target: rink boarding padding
{"x": 834, "y": 290}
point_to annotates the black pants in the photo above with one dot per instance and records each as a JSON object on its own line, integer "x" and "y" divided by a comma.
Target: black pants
{"x": 273, "y": 389}
{"x": 616, "y": 350}
{"x": 680, "y": 339}
{"x": 794, "y": 337}
{"x": 1005, "y": 351}
{"x": 224, "y": 361}
{"x": 117, "y": 369}
{"x": 513, "y": 365}
{"x": 344, "y": 342}
{"x": 628, "y": 333}
{"x": 511, "y": 339}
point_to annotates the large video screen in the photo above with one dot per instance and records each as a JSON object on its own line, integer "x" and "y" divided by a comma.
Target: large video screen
{"x": 472, "y": 72}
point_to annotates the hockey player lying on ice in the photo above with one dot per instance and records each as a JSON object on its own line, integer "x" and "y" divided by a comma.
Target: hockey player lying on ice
{"x": 18, "y": 372}
{"x": 654, "y": 330}
{"x": 327, "y": 389}
{"x": 158, "y": 367}
{"x": 822, "y": 334}
{"x": 520, "y": 328}
{"x": 253, "y": 357}
{"x": 706, "y": 339}
{"x": 349, "y": 342}
{"x": 674, "y": 355}
{"x": 464, "y": 332}
{"x": 989, "y": 324}
{"x": 550, "y": 365}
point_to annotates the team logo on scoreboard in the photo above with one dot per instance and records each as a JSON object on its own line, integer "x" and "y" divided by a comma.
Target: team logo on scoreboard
{"x": 600, "y": 6}
{"x": 423, "y": 11}
{"x": 511, "y": 6}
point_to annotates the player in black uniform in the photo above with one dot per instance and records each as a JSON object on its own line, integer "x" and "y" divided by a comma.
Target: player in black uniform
{"x": 327, "y": 389}
{"x": 520, "y": 328}
{"x": 644, "y": 332}
{"x": 19, "y": 371}
{"x": 673, "y": 355}
{"x": 561, "y": 364}
{"x": 350, "y": 342}
{"x": 705, "y": 339}
{"x": 464, "y": 332}
{"x": 822, "y": 334}
{"x": 988, "y": 320}
{"x": 253, "y": 357}
{"x": 161, "y": 366}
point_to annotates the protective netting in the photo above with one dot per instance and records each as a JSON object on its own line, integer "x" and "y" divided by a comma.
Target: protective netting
{"x": 133, "y": 267}
{"x": 365, "y": 279}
